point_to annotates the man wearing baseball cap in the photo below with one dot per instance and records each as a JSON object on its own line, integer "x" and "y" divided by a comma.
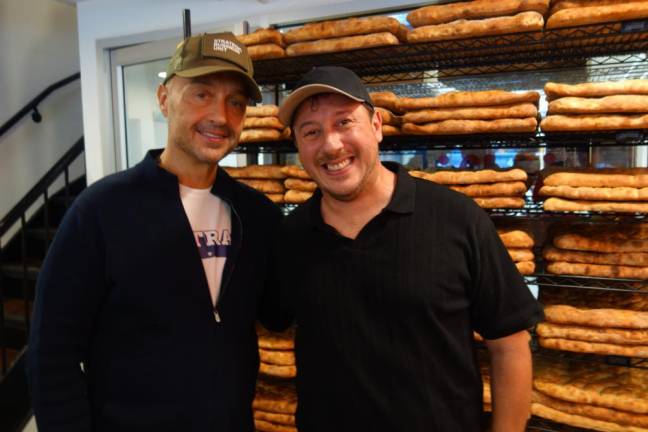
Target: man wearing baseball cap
{"x": 387, "y": 277}
{"x": 146, "y": 303}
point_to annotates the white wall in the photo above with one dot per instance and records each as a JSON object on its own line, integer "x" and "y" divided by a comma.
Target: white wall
{"x": 106, "y": 24}
{"x": 38, "y": 46}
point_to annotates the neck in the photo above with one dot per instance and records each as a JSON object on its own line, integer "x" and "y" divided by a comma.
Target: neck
{"x": 197, "y": 175}
{"x": 349, "y": 217}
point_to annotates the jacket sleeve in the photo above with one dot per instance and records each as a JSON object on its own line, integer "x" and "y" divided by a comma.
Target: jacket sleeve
{"x": 68, "y": 291}
{"x": 274, "y": 312}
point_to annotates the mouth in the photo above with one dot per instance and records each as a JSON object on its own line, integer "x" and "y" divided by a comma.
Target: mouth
{"x": 334, "y": 167}
{"x": 213, "y": 135}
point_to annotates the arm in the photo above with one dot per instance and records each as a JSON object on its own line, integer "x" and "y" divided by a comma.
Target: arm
{"x": 511, "y": 381}
{"x": 70, "y": 284}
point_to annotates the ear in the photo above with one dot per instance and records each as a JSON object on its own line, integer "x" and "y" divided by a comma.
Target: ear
{"x": 163, "y": 98}
{"x": 376, "y": 123}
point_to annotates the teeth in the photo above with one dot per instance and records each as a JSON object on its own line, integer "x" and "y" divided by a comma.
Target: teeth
{"x": 210, "y": 135}
{"x": 338, "y": 166}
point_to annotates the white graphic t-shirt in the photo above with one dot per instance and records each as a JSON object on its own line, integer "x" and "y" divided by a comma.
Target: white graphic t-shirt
{"x": 211, "y": 223}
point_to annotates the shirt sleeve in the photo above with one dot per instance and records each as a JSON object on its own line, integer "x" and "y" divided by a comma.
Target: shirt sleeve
{"x": 501, "y": 302}
{"x": 68, "y": 292}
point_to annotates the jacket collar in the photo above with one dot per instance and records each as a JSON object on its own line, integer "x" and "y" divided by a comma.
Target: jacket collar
{"x": 223, "y": 187}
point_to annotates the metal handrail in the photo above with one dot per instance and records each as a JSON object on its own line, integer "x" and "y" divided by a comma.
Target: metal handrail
{"x": 32, "y": 106}
{"x": 41, "y": 187}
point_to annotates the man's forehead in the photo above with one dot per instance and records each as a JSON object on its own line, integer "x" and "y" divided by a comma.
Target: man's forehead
{"x": 218, "y": 79}
{"x": 321, "y": 101}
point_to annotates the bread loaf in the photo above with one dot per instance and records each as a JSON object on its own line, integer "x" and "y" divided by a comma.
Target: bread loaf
{"x": 522, "y": 110}
{"x": 265, "y": 51}
{"x": 262, "y": 36}
{"x": 606, "y": 104}
{"x": 467, "y": 127}
{"x": 341, "y": 44}
{"x": 486, "y": 98}
{"x": 444, "y": 13}
{"x": 262, "y": 111}
{"x": 598, "y": 14}
{"x": 597, "y": 89}
{"x": 342, "y": 28}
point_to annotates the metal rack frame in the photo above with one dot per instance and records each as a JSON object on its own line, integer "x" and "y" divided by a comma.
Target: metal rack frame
{"x": 508, "y": 52}
{"x": 589, "y": 282}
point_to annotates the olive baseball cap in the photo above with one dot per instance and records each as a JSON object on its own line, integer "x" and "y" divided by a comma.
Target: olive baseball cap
{"x": 210, "y": 53}
{"x": 324, "y": 79}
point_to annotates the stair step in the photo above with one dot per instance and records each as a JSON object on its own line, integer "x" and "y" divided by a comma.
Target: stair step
{"x": 40, "y": 233}
{"x": 15, "y": 269}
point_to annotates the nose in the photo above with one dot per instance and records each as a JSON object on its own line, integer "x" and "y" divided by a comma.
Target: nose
{"x": 217, "y": 112}
{"x": 332, "y": 142}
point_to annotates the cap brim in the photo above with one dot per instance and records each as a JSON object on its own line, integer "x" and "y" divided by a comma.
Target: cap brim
{"x": 251, "y": 85}
{"x": 292, "y": 102}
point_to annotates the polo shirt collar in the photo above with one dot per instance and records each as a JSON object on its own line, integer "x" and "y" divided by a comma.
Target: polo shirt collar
{"x": 402, "y": 200}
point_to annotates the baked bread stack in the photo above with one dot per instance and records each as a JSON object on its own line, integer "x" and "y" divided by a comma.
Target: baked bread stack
{"x": 519, "y": 244}
{"x": 596, "y": 322}
{"x": 343, "y": 35}
{"x": 568, "y": 13}
{"x": 299, "y": 185}
{"x": 275, "y": 405}
{"x": 264, "y": 43}
{"x": 461, "y": 113}
{"x": 596, "y": 106}
{"x": 476, "y": 18}
{"x": 602, "y": 190}
{"x": 617, "y": 251}
{"x": 386, "y": 104}
{"x": 276, "y": 353}
{"x": 591, "y": 395}
{"x": 267, "y": 179}
{"x": 262, "y": 124}
{"x": 489, "y": 188}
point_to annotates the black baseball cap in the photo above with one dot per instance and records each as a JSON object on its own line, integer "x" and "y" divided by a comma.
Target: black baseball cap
{"x": 324, "y": 79}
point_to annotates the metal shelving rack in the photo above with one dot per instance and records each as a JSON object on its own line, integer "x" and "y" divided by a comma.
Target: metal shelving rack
{"x": 610, "y": 50}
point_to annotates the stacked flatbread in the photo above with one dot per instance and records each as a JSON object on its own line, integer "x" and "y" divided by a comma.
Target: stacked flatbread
{"x": 602, "y": 190}
{"x": 299, "y": 185}
{"x": 274, "y": 406}
{"x": 262, "y": 124}
{"x": 489, "y": 188}
{"x": 596, "y": 322}
{"x": 264, "y": 43}
{"x": 568, "y": 13}
{"x": 476, "y": 18}
{"x": 276, "y": 353}
{"x": 591, "y": 395}
{"x": 616, "y": 251}
{"x": 596, "y": 106}
{"x": 385, "y": 103}
{"x": 484, "y": 369}
{"x": 344, "y": 35}
{"x": 519, "y": 243}
{"x": 460, "y": 113}
{"x": 267, "y": 179}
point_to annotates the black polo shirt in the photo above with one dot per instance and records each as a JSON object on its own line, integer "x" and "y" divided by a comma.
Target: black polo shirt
{"x": 384, "y": 338}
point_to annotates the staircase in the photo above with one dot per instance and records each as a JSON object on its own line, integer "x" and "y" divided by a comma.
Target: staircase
{"x": 20, "y": 261}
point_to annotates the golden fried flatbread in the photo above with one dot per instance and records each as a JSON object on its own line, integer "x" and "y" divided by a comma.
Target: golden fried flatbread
{"x": 522, "y": 110}
{"x": 262, "y": 122}
{"x": 284, "y": 419}
{"x": 560, "y": 204}
{"x": 604, "y": 105}
{"x": 592, "y": 334}
{"x": 599, "y": 178}
{"x": 639, "y": 351}
{"x": 499, "y": 202}
{"x": 525, "y": 267}
{"x": 466, "y": 127}
{"x": 344, "y": 27}
{"x": 595, "y": 193}
{"x": 276, "y": 357}
{"x": 580, "y": 421}
{"x": 637, "y": 259}
{"x": 597, "y": 270}
{"x": 445, "y": 13}
{"x": 604, "y": 317}
{"x": 275, "y": 396}
{"x": 451, "y": 177}
{"x": 259, "y": 135}
{"x": 296, "y": 196}
{"x": 597, "y": 14}
{"x": 300, "y": 185}
{"x": 264, "y": 185}
{"x": 593, "y": 383}
{"x": 485, "y": 98}
{"x": 515, "y": 238}
{"x": 389, "y": 130}
{"x": 262, "y": 36}
{"x": 341, "y": 44}
{"x": 276, "y": 341}
{"x": 520, "y": 254}
{"x": 256, "y": 172}
{"x": 598, "y": 243}
{"x": 593, "y": 122}
{"x": 266, "y": 426}
{"x": 295, "y": 171}
{"x": 266, "y": 51}
{"x": 597, "y": 89}
{"x": 492, "y": 189}
{"x": 262, "y": 111}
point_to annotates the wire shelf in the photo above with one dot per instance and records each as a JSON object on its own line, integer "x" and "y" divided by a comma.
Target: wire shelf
{"x": 557, "y": 47}
{"x": 566, "y": 356}
{"x": 538, "y": 424}
{"x": 544, "y": 280}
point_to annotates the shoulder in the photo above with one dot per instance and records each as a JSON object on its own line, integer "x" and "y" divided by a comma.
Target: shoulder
{"x": 254, "y": 203}
{"x": 436, "y": 196}
{"x": 110, "y": 189}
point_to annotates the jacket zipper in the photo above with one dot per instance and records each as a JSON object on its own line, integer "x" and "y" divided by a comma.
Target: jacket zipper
{"x": 236, "y": 245}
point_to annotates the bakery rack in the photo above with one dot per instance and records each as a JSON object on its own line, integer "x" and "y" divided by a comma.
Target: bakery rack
{"x": 509, "y": 52}
{"x": 568, "y": 356}
{"x": 588, "y": 282}
{"x": 538, "y": 424}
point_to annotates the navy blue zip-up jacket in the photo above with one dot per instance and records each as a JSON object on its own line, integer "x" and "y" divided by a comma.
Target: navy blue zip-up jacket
{"x": 123, "y": 291}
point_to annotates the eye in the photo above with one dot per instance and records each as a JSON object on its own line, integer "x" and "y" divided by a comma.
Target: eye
{"x": 344, "y": 122}
{"x": 310, "y": 133}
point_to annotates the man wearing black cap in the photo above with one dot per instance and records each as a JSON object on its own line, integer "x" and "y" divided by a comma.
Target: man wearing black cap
{"x": 146, "y": 303}
{"x": 387, "y": 276}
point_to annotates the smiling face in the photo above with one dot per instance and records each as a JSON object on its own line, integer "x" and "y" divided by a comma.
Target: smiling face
{"x": 205, "y": 115}
{"x": 337, "y": 139}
